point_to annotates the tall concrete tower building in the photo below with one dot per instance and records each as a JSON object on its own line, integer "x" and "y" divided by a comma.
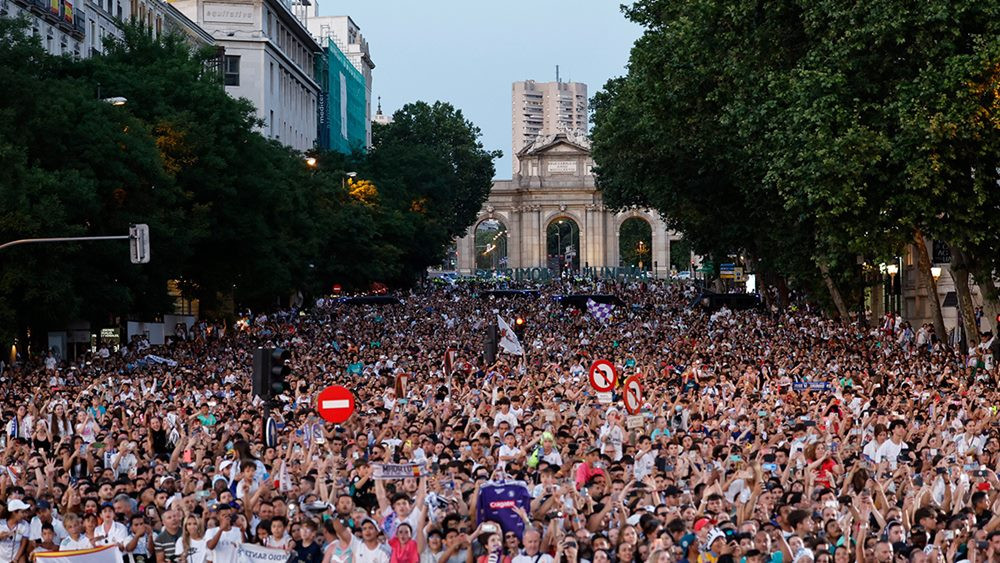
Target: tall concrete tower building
{"x": 545, "y": 108}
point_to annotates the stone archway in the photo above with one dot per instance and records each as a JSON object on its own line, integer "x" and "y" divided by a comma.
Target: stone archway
{"x": 490, "y": 241}
{"x": 562, "y": 244}
{"x": 635, "y": 244}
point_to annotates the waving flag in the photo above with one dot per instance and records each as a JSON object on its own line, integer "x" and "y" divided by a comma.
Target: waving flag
{"x": 600, "y": 311}
{"x": 508, "y": 340}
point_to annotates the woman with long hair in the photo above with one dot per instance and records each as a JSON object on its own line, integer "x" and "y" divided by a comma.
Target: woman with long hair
{"x": 191, "y": 546}
{"x": 823, "y": 465}
{"x": 60, "y": 423}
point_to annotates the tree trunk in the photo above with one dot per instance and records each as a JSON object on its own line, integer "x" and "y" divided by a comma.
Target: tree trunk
{"x": 991, "y": 308}
{"x": 924, "y": 263}
{"x": 989, "y": 292}
{"x": 782, "y": 293}
{"x": 878, "y": 305}
{"x": 960, "y": 273}
{"x": 834, "y": 292}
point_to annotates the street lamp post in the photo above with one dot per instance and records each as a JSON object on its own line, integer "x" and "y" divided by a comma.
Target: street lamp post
{"x": 893, "y": 269}
{"x": 344, "y": 177}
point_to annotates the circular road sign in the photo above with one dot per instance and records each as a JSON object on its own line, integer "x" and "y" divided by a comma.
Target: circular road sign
{"x": 632, "y": 394}
{"x": 335, "y": 404}
{"x": 603, "y": 376}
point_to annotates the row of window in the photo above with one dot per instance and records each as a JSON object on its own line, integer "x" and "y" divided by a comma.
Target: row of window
{"x": 286, "y": 41}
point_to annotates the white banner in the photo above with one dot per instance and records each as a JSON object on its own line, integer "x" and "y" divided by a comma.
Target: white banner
{"x": 508, "y": 340}
{"x": 397, "y": 470}
{"x": 250, "y": 553}
{"x": 105, "y": 554}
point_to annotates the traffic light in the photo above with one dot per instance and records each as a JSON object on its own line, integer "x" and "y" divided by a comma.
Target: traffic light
{"x": 270, "y": 367}
{"x": 519, "y": 325}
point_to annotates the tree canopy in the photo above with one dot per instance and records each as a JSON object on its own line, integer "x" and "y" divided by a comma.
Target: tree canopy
{"x": 810, "y": 136}
{"x": 234, "y": 217}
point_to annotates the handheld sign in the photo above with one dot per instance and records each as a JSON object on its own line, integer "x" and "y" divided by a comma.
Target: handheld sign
{"x": 632, "y": 395}
{"x": 335, "y": 404}
{"x": 603, "y": 376}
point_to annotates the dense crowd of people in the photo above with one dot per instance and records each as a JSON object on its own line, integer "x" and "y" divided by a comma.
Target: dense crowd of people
{"x": 766, "y": 436}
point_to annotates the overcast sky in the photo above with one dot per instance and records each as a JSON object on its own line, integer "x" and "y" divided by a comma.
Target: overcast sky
{"x": 469, "y": 52}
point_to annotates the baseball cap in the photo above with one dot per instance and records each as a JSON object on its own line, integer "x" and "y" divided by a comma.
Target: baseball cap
{"x": 17, "y": 504}
{"x": 714, "y": 535}
{"x": 701, "y": 523}
{"x": 43, "y": 505}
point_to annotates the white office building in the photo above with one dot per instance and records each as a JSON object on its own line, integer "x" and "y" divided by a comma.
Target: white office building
{"x": 268, "y": 60}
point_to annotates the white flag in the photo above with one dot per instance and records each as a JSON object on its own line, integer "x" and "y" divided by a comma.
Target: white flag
{"x": 508, "y": 340}
{"x": 106, "y": 554}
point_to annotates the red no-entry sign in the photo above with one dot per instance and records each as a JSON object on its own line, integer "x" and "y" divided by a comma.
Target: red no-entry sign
{"x": 335, "y": 404}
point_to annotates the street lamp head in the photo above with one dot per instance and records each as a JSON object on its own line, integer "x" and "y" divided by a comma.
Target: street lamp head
{"x": 311, "y": 161}
{"x": 351, "y": 174}
{"x": 116, "y": 101}
{"x": 892, "y": 269}
{"x": 935, "y": 272}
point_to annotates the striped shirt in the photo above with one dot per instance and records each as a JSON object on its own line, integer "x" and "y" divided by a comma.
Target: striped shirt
{"x": 166, "y": 543}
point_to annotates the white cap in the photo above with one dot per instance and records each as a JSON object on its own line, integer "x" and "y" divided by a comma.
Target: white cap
{"x": 17, "y": 504}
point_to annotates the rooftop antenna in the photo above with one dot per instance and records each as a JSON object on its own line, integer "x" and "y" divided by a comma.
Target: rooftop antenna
{"x": 557, "y": 74}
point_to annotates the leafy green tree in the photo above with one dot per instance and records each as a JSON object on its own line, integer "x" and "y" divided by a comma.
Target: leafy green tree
{"x": 74, "y": 166}
{"x": 810, "y": 135}
{"x": 433, "y": 175}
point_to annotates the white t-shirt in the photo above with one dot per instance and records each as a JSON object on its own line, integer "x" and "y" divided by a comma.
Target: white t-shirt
{"x": 228, "y": 548}
{"x": 612, "y": 435}
{"x": 510, "y": 418}
{"x": 537, "y": 558}
{"x": 36, "y": 530}
{"x": 644, "y": 465}
{"x": 552, "y": 457}
{"x": 871, "y": 449}
{"x": 69, "y": 544}
{"x": 197, "y": 553}
{"x": 889, "y": 451}
{"x": 362, "y": 554}
{"x": 506, "y": 451}
{"x": 118, "y": 535}
{"x": 9, "y": 546}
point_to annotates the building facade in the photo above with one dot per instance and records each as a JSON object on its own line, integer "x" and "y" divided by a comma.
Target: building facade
{"x": 545, "y": 108}
{"x": 78, "y": 28}
{"x": 61, "y": 25}
{"x": 552, "y": 218}
{"x": 343, "y": 108}
{"x": 346, "y": 36}
{"x": 269, "y": 60}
